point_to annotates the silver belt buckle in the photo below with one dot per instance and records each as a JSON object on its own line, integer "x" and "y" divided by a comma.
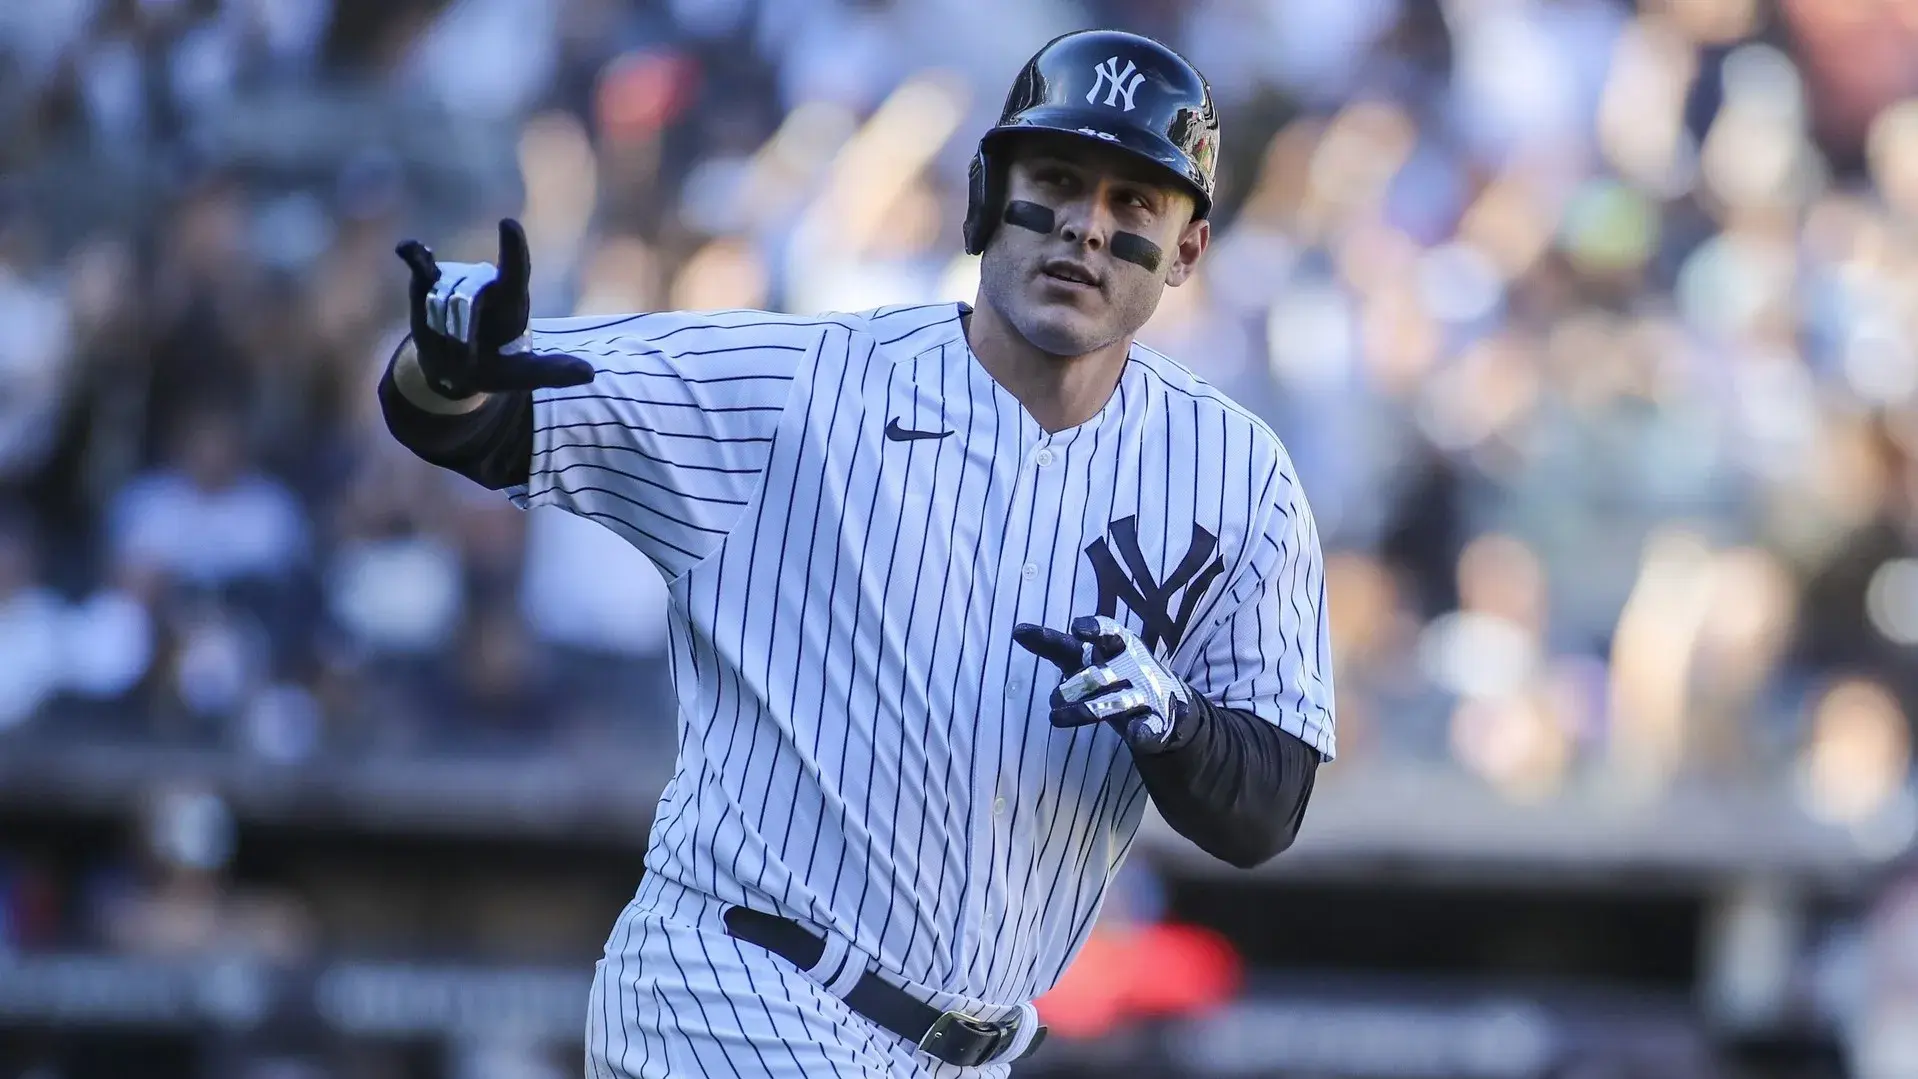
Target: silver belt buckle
{"x": 963, "y": 1040}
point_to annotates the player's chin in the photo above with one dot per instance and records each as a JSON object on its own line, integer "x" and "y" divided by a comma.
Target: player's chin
{"x": 1066, "y": 327}
{"x": 1065, "y": 336}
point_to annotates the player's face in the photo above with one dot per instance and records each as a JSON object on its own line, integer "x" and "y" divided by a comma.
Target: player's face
{"x": 1065, "y": 291}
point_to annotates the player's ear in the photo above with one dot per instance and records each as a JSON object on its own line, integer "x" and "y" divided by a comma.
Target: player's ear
{"x": 1193, "y": 240}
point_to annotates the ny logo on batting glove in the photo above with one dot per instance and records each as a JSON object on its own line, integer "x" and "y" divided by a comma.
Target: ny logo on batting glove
{"x": 1108, "y": 675}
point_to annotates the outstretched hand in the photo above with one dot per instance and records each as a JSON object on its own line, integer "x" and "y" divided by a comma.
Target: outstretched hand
{"x": 1108, "y": 675}
{"x": 465, "y": 315}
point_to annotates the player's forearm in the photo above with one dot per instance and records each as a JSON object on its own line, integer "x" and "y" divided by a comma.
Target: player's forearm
{"x": 1236, "y": 785}
{"x": 490, "y": 441}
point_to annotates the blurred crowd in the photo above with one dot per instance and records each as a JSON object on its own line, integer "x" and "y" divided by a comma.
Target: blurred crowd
{"x": 1591, "y": 325}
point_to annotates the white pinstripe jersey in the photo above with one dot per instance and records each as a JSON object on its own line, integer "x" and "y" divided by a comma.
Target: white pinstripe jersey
{"x": 861, "y": 745}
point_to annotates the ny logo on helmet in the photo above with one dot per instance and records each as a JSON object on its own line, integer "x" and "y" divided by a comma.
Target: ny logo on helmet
{"x": 1118, "y": 84}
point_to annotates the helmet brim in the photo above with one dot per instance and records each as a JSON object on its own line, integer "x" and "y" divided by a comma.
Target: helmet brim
{"x": 1148, "y": 146}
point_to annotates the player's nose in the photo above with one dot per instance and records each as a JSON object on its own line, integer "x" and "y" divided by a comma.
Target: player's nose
{"x": 1082, "y": 236}
{"x": 1084, "y": 223}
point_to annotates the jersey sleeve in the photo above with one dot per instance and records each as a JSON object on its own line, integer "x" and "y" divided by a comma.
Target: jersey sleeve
{"x": 667, "y": 445}
{"x": 1271, "y": 653}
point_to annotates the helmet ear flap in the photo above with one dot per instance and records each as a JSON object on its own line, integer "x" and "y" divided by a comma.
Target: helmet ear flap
{"x": 982, "y": 203}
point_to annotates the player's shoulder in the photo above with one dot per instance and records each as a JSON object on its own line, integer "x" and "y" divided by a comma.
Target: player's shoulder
{"x": 1246, "y": 435}
{"x": 903, "y": 331}
{"x": 745, "y": 343}
{"x": 673, "y": 330}
{"x": 904, "y": 327}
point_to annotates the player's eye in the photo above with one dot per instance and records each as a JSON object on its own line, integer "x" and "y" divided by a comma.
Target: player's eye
{"x": 1053, "y": 176}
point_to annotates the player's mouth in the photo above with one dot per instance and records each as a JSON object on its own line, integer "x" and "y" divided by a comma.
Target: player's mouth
{"x": 1069, "y": 275}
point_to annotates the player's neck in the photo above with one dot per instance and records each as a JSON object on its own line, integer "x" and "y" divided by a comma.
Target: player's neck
{"x": 1058, "y": 392}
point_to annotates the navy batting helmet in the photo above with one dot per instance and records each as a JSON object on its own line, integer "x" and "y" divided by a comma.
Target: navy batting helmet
{"x": 1117, "y": 88}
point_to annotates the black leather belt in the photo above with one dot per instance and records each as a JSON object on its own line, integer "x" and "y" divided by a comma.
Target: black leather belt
{"x": 954, "y": 1037}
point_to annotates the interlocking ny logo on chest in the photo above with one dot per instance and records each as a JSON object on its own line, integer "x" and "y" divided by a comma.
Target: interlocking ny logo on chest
{"x": 1152, "y": 600}
{"x": 1116, "y": 83}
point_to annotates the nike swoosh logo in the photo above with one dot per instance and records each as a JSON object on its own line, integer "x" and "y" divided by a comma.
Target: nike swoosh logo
{"x": 897, "y": 433}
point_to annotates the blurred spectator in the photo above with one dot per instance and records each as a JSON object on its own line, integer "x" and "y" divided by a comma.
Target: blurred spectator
{"x": 494, "y": 689}
{"x": 488, "y": 59}
{"x": 97, "y": 650}
{"x": 209, "y": 517}
{"x": 35, "y": 354}
{"x": 30, "y": 627}
{"x": 394, "y": 583}
{"x": 173, "y": 899}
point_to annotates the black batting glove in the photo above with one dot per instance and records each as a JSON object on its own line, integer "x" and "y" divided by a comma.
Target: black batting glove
{"x": 466, "y": 314}
{"x": 1108, "y": 675}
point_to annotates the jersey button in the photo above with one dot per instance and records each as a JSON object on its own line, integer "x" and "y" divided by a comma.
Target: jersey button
{"x": 1044, "y": 458}
{"x": 998, "y": 807}
{"x": 1029, "y": 571}
{"x": 1015, "y": 687}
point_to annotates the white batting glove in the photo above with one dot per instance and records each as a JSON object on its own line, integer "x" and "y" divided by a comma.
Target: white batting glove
{"x": 1110, "y": 676}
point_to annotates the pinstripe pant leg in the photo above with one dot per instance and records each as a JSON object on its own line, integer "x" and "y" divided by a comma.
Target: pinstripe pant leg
{"x": 670, "y": 999}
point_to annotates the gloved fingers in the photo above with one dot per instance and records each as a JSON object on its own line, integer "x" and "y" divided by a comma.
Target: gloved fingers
{"x": 1061, "y": 649}
{"x": 534, "y": 371}
{"x": 449, "y": 303}
{"x": 1118, "y": 705}
{"x": 449, "y": 308}
{"x": 459, "y": 315}
{"x": 501, "y": 308}
{"x": 515, "y": 258}
{"x": 1111, "y": 708}
{"x": 1088, "y": 683}
{"x": 1105, "y": 636}
{"x": 435, "y": 308}
{"x": 425, "y": 273}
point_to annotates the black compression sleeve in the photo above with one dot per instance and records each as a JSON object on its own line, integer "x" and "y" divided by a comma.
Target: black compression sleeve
{"x": 491, "y": 445}
{"x": 1234, "y": 784}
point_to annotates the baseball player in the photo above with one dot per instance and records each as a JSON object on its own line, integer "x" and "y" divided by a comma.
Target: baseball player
{"x": 954, "y": 590}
